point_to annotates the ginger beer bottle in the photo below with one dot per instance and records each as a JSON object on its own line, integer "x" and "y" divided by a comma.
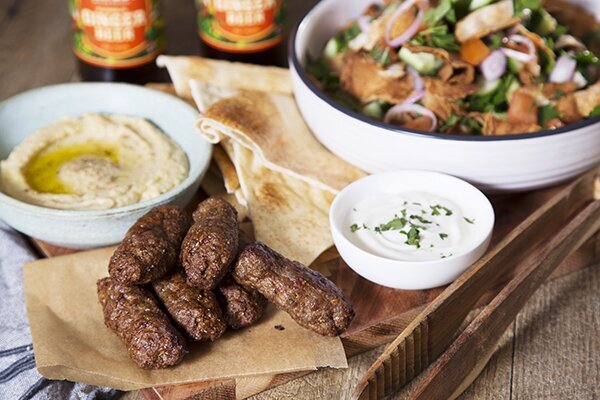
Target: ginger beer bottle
{"x": 117, "y": 40}
{"x": 242, "y": 30}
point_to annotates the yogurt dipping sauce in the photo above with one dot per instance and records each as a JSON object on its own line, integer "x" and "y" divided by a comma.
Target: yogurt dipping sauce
{"x": 410, "y": 226}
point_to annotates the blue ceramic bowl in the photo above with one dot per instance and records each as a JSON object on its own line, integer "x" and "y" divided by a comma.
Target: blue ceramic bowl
{"x": 23, "y": 114}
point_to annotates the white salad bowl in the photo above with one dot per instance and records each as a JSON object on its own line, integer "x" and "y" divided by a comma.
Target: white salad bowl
{"x": 411, "y": 275}
{"x": 493, "y": 163}
{"x": 23, "y": 114}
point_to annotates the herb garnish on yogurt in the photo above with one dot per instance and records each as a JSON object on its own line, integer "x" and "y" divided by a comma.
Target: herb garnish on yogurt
{"x": 412, "y": 226}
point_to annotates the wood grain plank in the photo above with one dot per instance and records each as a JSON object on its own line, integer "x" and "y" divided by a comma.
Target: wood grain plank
{"x": 557, "y": 343}
{"x": 35, "y": 45}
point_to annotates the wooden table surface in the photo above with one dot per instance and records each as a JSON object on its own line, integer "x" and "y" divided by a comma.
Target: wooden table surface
{"x": 551, "y": 351}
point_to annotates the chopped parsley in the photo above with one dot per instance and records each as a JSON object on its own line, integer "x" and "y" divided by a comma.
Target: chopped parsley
{"x": 396, "y": 224}
{"x": 546, "y": 114}
{"x": 443, "y": 236}
{"x": 595, "y": 112}
{"x": 435, "y": 210}
{"x": 496, "y": 100}
{"x": 382, "y": 55}
{"x": 437, "y": 36}
{"x": 420, "y": 219}
{"x": 470, "y": 221}
{"x": 413, "y": 237}
{"x": 559, "y": 94}
{"x": 437, "y": 14}
{"x": 354, "y": 228}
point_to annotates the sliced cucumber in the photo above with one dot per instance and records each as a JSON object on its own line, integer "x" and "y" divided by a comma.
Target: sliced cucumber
{"x": 475, "y": 4}
{"x": 514, "y": 66}
{"x": 424, "y": 63}
{"x": 487, "y": 87}
{"x": 511, "y": 89}
{"x": 373, "y": 110}
{"x": 547, "y": 24}
{"x": 332, "y": 48}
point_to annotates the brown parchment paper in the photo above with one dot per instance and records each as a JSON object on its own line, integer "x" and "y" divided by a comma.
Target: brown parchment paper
{"x": 72, "y": 343}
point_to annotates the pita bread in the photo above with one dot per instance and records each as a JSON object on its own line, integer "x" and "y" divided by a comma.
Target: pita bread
{"x": 224, "y": 74}
{"x": 270, "y": 125}
{"x": 230, "y": 176}
{"x": 290, "y": 215}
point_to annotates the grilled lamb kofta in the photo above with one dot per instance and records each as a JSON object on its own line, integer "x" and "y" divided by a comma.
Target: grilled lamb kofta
{"x": 311, "y": 299}
{"x": 211, "y": 245}
{"x": 151, "y": 246}
{"x": 196, "y": 311}
{"x": 133, "y": 314}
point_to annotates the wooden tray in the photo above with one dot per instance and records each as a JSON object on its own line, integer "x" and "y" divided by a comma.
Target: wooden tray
{"x": 381, "y": 313}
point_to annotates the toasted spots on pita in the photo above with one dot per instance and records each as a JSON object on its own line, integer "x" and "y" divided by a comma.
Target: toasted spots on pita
{"x": 271, "y": 126}
{"x": 486, "y": 20}
{"x": 272, "y": 194}
{"x": 253, "y": 112}
{"x": 365, "y": 79}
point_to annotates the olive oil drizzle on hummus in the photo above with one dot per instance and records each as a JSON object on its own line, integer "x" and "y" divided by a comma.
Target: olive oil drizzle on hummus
{"x": 42, "y": 172}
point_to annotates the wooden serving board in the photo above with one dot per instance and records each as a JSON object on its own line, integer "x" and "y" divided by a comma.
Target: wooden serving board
{"x": 381, "y": 313}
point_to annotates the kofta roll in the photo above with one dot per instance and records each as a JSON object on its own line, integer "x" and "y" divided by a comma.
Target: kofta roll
{"x": 311, "y": 299}
{"x": 151, "y": 246}
{"x": 211, "y": 245}
{"x": 133, "y": 314}
{"x": 196, "y": 311}
{"x": 241, "y": 307}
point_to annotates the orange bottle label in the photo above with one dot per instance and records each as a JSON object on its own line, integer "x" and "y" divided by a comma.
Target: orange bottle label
{"x": 116, "y": 33}
{"x": 242, "y": 26}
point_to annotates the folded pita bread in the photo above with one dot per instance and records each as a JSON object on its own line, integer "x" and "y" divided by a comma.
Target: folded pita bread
{"x": 224, "y": 74}
{"x": 290, "y": 215}
{"x": 270, "y": 125}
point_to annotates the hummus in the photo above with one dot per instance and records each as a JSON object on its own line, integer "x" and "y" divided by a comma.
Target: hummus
{"x": 93, "y": 162}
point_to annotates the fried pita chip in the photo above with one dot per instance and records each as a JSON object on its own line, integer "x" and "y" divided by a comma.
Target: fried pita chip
{"x": 366, "y": 80}
{"x": 493, "y": 125}
{"x": 486, "y": 20}
{"x": 587, "y": 99}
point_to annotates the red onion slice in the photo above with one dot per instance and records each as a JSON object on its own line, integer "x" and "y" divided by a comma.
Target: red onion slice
{"x": 494, "y": 66}
{"x": 564, "y": 70}
{"x": 403, "y": 108}
{"x": 415, "y": 96}
{"x": 517, "y": 55}
{"x": 417, "y": 80}
{"x": 364, "y": 23}
{"x": 410, "y": 32}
